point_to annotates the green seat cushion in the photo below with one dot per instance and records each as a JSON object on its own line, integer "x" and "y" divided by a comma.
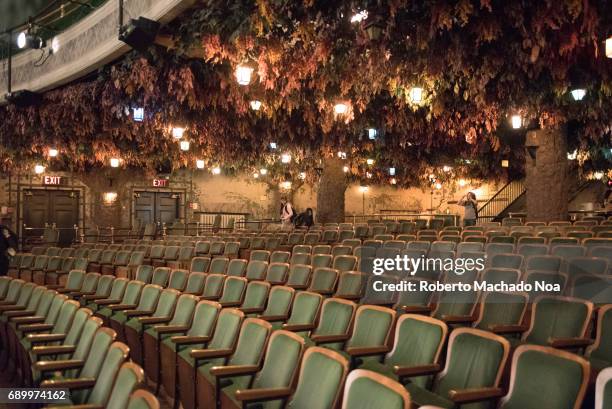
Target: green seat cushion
{"x": 422, "y": 397}
{"x": 366, "y": 393}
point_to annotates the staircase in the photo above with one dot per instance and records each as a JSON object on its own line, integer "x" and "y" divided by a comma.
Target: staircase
{"x": 494, "y": 209}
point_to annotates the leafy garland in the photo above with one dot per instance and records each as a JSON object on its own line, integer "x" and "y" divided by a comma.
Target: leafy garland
{"x": 477, "y": 61}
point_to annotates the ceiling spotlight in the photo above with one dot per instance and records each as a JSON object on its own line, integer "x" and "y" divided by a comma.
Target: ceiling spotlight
{"x": 416, "y": 94}
{"x": 263, "y": 171}
{"x": 255, "y": 105}
{"x": 370, "y": 161}
{"x": 392, "y": 171}
{"x": 345, "y": 169}
{"x": 516, "y": 121}
{"x": 372, "y": 133}
{"x": 114, "y": 162}
{"x": 340, "y": 108}
{"x": 184, "y": 145}
{"x": 177, "y": 132}
{"x": 39, "y": 169}
{"x": 53, "y": 152}
{"x": 200, "y": 164}
{"x": 359, "y": 16}
{"x": 578, "y": 94}
{"x": 216, "y": 170}
{"x": 244, "y": 74}
{"x": 285, "y": 158}
{"x": 27, "y": 40}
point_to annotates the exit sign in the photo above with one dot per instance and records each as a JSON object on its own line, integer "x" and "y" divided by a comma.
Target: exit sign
{"x": 160, "y": 182}
{"x": 52, "y": 180}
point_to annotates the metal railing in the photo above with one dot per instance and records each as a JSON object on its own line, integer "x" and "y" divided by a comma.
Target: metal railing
{"x": 500, "y": 201}
{"x": 400, "y": 215}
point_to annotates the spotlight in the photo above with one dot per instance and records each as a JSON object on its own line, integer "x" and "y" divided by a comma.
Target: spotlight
{"x": 255, "y": 105}
{"x": 200, "y": 164}
{"x": 609, "y": 47}
{"x": 114, "y": 162}
{"x": 243, "y": 74}
{"x": 359, "y": 16}
{"x": 28, "y": 40}
{"x": 578, "y": 94}
{"x": 139, "y": 33}
{"x": 53, "y": 152}
{"x": 177, "y": 132}
{"x": 39, "y": 169}
{"x": 184, "y": 145}
{"x": 572, "y": 155}
{"x": 285, "y": 158}
{"x": 342, "y": 155}
{"x": 256, "y": 175}
{"x": 438, "y": 186}
{"x": 55, "y": 45}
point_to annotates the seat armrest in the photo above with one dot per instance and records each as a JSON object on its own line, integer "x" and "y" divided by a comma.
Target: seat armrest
{"x": 53, "y": 350}
{"x": 417, "y": 309}
{"x": 21, "y": 313}
{"x": 154, "y": 320}
{"x": 230, "y": 304}
{"x": 169, "y": 329}
{"x": 233, "y": 370}
{"x": 95, "y": 297}
{"x": 350, "y": 297}
{"x": 261, "y": 395}
{"x": 569, "y": 342}
{"x": 6, "y": 308}
{"x": 119, "y": 307}
{"x": 210, "y": 353}
{"x": 367, "y": 351}
{"x": 507, "y": 329}
{"x": 408, "y": 371}
{"x": 252, "y": 310}
{"x": 138, "y": 313}
{"x": 36, "y": 327}
{"x": 298, "y": 327}
{"x": 80, "y": 383}
{"x": 328, "y": 339}
{"x": 273, "y": 318}
{"x": 107, "y": 301}
{"x": 187, "y": 340}
{"x": 458, "y": 319}
{"x": 463, "y": 396}
{"x": 48, "y": 366}
{"x": 37, "y": 338}
{"x": 33, "y": 319}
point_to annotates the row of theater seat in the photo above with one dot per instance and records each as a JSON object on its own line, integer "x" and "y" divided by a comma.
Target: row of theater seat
{"x": 369, "y": 328}
{"x": 47, "y": 340}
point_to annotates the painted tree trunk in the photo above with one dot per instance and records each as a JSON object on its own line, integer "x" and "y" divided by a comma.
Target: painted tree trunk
{"x": 330, "y": 194}
{"x": 547, "y": 179}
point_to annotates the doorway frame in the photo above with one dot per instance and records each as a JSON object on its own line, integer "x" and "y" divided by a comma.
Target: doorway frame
{"x": 182, "y": 192}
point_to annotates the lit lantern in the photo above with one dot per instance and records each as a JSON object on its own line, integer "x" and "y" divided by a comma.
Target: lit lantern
{"x": 340, "y": 108}
{"x": 391, "y": 171}
{"x": 342, "y": 155}
{"x": 372, "y": 133}
{"x": 438, "y": 186}
{"x": 55, "y": 45}
{"x": 286, "y": 158}
{"x": 286, "y": 185}
{"x": 200, "y": 164}
{"x": 363, "y": 189}
{"x": 598, "y": 175}
{"x": 359, "y": 16}
{"x": 184, "y": 145}
{"x": 255, "y": 105}
{"x": 505, "y": 163}
{"x": 22, "y": 40}
{"x": 53, "y": 152}
{"x": 177, "y": 132}
{"x": 302, "y": 175}
{"x": 256, "y": 175}
{"x": 578, "y": 94}
{"x": 138, "y": 114}
{"x": 263, "y": 171}
{"x": 609, "y": 47}
{"x": 416, "y": 94}
{"x": 39, "y": 169}
{"x": 345, "y": 169}
{"x": 393, "y": 181}
{"x": 370, "y": 161}
{"x": 462, "y": 182}
{"x": 273, "y": 145}
{"x": 572, "y": 155}
{"x": 109, "y": 197}
{"x": 244, "y": 74}
{"x": 369, "y": 175}
{"x": 216, "y": 170}
{"x": 516, "y": 121}
{"x": 114, "y": 162}
{"x": 447, "y": 168}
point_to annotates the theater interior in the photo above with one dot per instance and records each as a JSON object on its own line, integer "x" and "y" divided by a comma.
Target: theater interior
{"x": 306, "y": 204}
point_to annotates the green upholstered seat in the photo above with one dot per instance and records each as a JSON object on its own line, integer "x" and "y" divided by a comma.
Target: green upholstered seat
{"x": 305, "y": 310}
{"x": 279, "y": 301}
{"x": 178, "y": 279}
{"x": 218, "y": 265}
{"x": 195, "y": 283}
{"x": 144, "y": 273}
{"x": 280, "y": 257}
{"x": 129, "y": 377}
{"x": 256, "y": 269}
{"x": 259, "y": 255}
{"x": 496, "y": 248}
{"x": 142, "y": 399}
{"x": 543, "y": 263}
{"x": 453, "y": 304}
{"x": 161, "y": 275}
{"x": 475, "y": 359}
{"x": 277, "y": 273}
{"x": 501, "y": 309}
{"x": 237, "y": 267}
{"x": 324, "y": 280}
{"x": 384, "y": 298}
{"x": 202, "y": 248}
{"x": 302, "y": 249}
{"x": 231, "y": 250}
{"x": 586, "y": 265}
{"x": 506, "y": 260}
{"x": 116, "y": 294}
{"x": 199, "y": 264}
{"x": 147, "y": 302}
{"x": 543, "y": 377}
{"x": 372, "y": 329}
{"x": 600, "y": 353}
{"x": 369, "y": 390}
{"x": 321, "y": 249}
{"x": 214, "y": 286}
{"x": 131, "y": 295}
{"x": 321, "y": 261}
{"x": 335, "y": 320}
{"x": 344, "y": 262}
{"x": 115, "y": 357}
{"x": 418, "y": 341}
{"x": 351, "y": 285}
{"x": 567, "y": 251}
{"x": 103, "y": 289}
{"x": 255, "y": 297}
{"x": 300, "y": 276}
{"x": 233, "y": 291}
{"x": 89, "y": 286}
{"x": 74, "y": 282}
{"x": 300, "y": 258}
{"x": 496, "y": 275}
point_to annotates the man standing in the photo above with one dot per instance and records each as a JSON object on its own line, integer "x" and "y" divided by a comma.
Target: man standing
{"x": 470, "y": 206}
{"x": 8, "y": 248}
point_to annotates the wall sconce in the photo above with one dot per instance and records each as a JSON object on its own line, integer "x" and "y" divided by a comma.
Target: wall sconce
{"x": 109, "y": 198}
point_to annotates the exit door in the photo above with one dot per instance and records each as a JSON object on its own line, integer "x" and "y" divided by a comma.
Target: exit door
{"x": 156, "y": 207}
{"x": 48, "y": 207}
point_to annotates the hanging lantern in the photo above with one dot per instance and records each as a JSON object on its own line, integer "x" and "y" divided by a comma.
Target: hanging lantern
{"x": 372, "y": 133}
{"x": 286, "y": 158}
{"x": 200, "y": 164}
{"x": 391, "y": 171}
{"x": 256, "y": 175}
{"x": 578, "y": 94}
{"x": 255, "y": 105}
{"x": 345, "y": 169}
{"x": 263, "y": 171}
{"x": 109, "y": 198}
{"x": 177, "y": 132}
{"x": 505, "y": 163}
{"x": 342, "y": 155}
{"x": 516, "y": 121}
{"x": 53, "y": 152}
{"x": 244, "y": 74}
{"x": 340, "y": 108}
{"x": 114, "y": 162}
{"x": 302, "y": 175}
{"x": 184, "y": 145}
{"x": 609, "y": 47}
{"x": 416, "y": 95}
{"x": 393, "y": 181}
{"x": 39, "y": 169}
{"x": 370, "y": 161}
{"x": 216, "y": 170}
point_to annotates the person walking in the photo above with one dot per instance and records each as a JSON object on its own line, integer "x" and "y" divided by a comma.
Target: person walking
{"x": 470, "y": 209}
{"x": 8, "y": 248}
{"x": 287, "y": 214}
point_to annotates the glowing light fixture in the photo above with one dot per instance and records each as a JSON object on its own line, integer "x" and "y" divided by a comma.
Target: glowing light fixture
{"x": 370, "y": 161}
{"x": 598, "y": 175}
{"x": 416, "y": 94}
{"x": 273, "y": 145}
{"x": 438, "y": 186}
{"x": 369, "y": 175}
{"x": 184, "y": 145}
{"x": 53, "y": 152}
{"x": 263, "y": 171}
{"x": 302, "y": 175}
{"x": 22, "y": 40}
{"x": 177, "y": 132}
{"x": 363, "y": 189}
{"x": 609, "y": 47}
{"x": 109, "y": 197}
{"x": 578, "y": 94}
{"x": 462, "y": 182}
{"x": 340, "y": 108}
{"x": 244, "y": 74}
{"x": 372, "y": 133}
{"x": 359, "y": 16}
{"x": 572, "y": 155}
{"x": 345, "y": 169}
{"x": 114, "y": 162}
{"x": 216, "y": 170}
{"x": 285, "y": 185}
{"x": 393, "y": 181}
{"x": 138, "y": 115}
{"x": 27, "y": 40}
{"x": 447, "y": 168}
{"x": 516, "y": 121}
{"x": 286, "y": 158}
{"x": 39, "y": 169}
{"x": 505, "y": 163}
{"x": 342, "y": 155}
{"x": 200, "y": 164}
{"x": 55, "y": 45}
{"x": 392, "y": 171}
{"x": 255, "y": 105}
{"x": 256, "y": 175}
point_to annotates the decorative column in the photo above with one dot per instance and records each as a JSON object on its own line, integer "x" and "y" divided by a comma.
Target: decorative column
{"x": 330, "y": 195}
{"x": 547, "y": 179}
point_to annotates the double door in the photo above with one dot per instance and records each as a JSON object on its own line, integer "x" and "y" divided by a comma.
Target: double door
{"x": 51, "y": 207}
{"x": 156, "y": 207}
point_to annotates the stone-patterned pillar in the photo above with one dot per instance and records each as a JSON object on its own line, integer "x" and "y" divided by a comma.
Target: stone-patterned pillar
{"x": 330, "y": 194}
{"x": 547, "y": 180}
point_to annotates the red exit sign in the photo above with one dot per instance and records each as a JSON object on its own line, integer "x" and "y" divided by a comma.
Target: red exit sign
{"x": 160, "y": 182}
{"x": 52, "y": 180}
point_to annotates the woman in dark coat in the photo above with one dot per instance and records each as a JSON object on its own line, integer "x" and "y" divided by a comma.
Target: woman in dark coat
{"x": 8, "y": 248}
